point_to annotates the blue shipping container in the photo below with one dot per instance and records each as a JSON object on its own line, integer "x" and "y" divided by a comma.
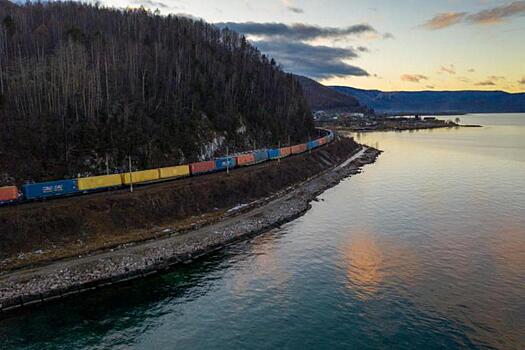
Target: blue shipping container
{"x": 227, "y": 162}
{"x": 50, "y": 189}
{"x": 274, "y": 153}
{"x": 261, "y": 156}
{"x": 313, "y": 144}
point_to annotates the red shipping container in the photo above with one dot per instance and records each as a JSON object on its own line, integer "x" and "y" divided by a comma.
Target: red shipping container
{"x": 245, "y": 159}
{"x": 286, "y": 151}
{"x": 299, "y": 148}
{"x": 202, "y": 167}
{"x": 9, "y": 193}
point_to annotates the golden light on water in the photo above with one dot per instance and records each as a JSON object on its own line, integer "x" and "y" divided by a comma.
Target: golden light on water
{"x": 363, "y": 260}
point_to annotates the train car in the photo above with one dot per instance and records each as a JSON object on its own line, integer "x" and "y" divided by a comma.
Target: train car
{"x": 261, "y": 156}
{"x": 174, "y": 172}
{"x": 99, "y": 182}
{"x": 245, "y": 159}
{"x": 312, "y": 145}
{"x": 203, "y": 167}
{"x": 140, "y": 176}
{"x": 298, "y": 149}
{"x": 286, "y": 151}
{"x": 225, "y": 163}
{"x": 8, "y": 194}
{"x": 274, "y": 153}
{"x": 322, "y": 141}
{"x": 50, "y": 189}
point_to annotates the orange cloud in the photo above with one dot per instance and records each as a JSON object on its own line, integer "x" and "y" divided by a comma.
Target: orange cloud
{"x": 444, "y": 20}
{"x": 498, "y": 14}
{"x": 413, "y": 78}
{"x": 450, "y": 69}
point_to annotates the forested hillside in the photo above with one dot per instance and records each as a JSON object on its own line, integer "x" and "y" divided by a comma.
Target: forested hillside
{"x": 80, "y": 85}
{"x": 322, "y": 97}
{"x": 431, "y": 102}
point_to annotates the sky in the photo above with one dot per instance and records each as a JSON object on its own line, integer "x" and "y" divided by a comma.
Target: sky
{"x": 389, "y": 45}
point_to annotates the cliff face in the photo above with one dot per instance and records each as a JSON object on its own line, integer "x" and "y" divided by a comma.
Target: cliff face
{"x": 80, "y": 85}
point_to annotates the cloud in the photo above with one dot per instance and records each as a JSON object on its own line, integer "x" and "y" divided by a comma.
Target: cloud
{"x": 471, "y": 70}
{"x": 289, "y": 6}
{"x": 295, "y": 9}
{"x": 522, "y": 81}
{"x": 486, "y": 83}
{"x": 151, "y": 4}
{"x": 298, "y": 31}
{"x": 443, "y": 20}
{"x": 413, "y": 78}
{"x": 313, "y": 61}
{"x": 450, "y": 69}
{"x": 489, "y": 16}
{"x": 388, "y": 36}
{"x": 498, "y": 14}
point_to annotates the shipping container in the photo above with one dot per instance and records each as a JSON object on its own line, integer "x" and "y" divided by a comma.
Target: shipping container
{"x": 96, "y": 182}
{"x": 261, "y": 155}
{"x": 286, "y": 151}
{"x": 274, "y": 153}
{"x": 202, "y": 167}
{"x": 312, "y": 144}
{"x": 50, "y": 189}
{"x": 297, "y": 149}
{"x": 174, "y": 172}
{"x": 140, "y": 176}
{"x": 225, "y": 163}
{"x": 245, "y": 159}
{"x": 8, "y": 193}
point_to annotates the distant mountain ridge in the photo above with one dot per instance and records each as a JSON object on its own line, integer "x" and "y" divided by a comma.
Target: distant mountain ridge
{"x": 321, "y": 97}
{"x": 432, "y": 102}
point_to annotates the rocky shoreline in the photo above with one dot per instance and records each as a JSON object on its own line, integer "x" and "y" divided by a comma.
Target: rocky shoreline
{"x": 29, "y": 287}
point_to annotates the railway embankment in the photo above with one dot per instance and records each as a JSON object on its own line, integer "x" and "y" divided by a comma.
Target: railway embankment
{"x": 72, "y": 245}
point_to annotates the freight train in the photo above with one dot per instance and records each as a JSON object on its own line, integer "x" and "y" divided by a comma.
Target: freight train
{"x": 85, "y": 185}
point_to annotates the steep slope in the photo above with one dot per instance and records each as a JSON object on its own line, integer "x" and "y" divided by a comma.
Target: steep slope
{"x": 80, "y": 84}
{"x": 423, "y": 102}
{"x": 321, "y": 97}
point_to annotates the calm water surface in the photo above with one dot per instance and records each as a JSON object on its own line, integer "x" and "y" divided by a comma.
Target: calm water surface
{"x": 424, "y": 250}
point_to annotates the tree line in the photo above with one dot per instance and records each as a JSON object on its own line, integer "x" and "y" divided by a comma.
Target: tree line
{"x": 82, "y": 87}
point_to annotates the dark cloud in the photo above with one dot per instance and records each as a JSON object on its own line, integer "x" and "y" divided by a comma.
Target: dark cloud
{"x": 299, "y": 31}
{"x": 312, "y": 61}
{"x": 414, "y": 78}
{"x": 151, "y": 4}
{"x": 522, "y": 81}
{"x": 362, "y": 49}
{"x": 388, "y": 36}
{"x": 443, "y": 20}
{"x": 295, "y": 9}
{"x": 471, "y": 70}
{"x": 498, "y": 14}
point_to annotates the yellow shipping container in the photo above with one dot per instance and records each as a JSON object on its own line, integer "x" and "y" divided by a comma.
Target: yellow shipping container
{"x": 176, "y": 171}
{"x": 140, "y": 176}
{"x": 94, "y": 182}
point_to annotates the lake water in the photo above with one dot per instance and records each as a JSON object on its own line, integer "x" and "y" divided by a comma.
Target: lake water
{"x": 424, "y": 250}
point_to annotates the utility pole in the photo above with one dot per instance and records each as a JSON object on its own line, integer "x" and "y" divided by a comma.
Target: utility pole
{"x": 130, "y": 176}
{"x": 107, "y": 164}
